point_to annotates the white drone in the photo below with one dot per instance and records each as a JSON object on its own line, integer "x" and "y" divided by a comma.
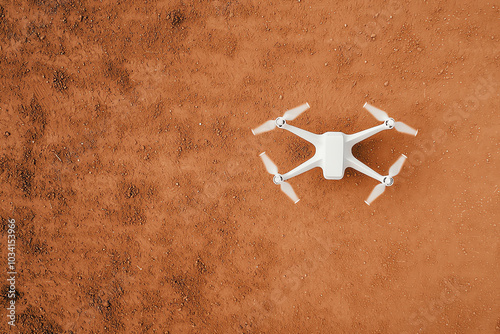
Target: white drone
{"x": 334, "y": 151}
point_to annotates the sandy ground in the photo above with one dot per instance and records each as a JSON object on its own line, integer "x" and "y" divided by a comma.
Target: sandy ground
{"x": 141, "y": 204}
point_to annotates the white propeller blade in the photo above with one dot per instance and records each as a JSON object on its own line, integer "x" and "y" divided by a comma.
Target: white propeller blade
{"x": 382, "y": 116}
{"x": 396, "y": 167}
{"x": 393, "y": 171}
{"x": 292, "y": 114}
{"x": 402, "y": 127}
{"x": 270, "y": 166}
{"x": 288, "y": 190}
{"x": 376, "y": 192}
{"x": 376, "y": 112}
{"x": 289, "y": 115}
{"x": 267, "y": 126}
{"x": 272, "y": 169}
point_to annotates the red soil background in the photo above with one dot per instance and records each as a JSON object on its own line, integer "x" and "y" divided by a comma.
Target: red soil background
{"x": 142, "y": 206}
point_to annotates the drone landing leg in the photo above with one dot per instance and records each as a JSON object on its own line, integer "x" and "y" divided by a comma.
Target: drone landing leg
{"x": 352, "y": 162}
{"x": 306, "y": 135}
{"x": 304, "y": 167}
{"x": 360, "y": 136}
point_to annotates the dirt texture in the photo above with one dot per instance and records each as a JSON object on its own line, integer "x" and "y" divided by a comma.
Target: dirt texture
{"x": 141, "y": 203}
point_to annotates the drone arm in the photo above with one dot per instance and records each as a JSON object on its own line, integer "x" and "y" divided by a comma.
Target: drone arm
{"x": 352, "y": 162}
{"x": 304, "y": 167}
{"x": 306, "y": 135}
{"x": 360, "y": 136}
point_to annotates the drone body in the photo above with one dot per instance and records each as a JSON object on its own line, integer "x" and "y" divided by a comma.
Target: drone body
{"x": 334, "y": 151}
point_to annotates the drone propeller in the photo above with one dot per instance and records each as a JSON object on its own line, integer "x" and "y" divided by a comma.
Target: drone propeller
{"x": 382, "y": 116}
{"x": 380, "y": 188}
{"x": 379, "y": 114}
{"x": 273, "y": 170}
{"x": 270, "y": 166}
{"x": 289, "y": 115}
{"x": 402, "y": 127}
